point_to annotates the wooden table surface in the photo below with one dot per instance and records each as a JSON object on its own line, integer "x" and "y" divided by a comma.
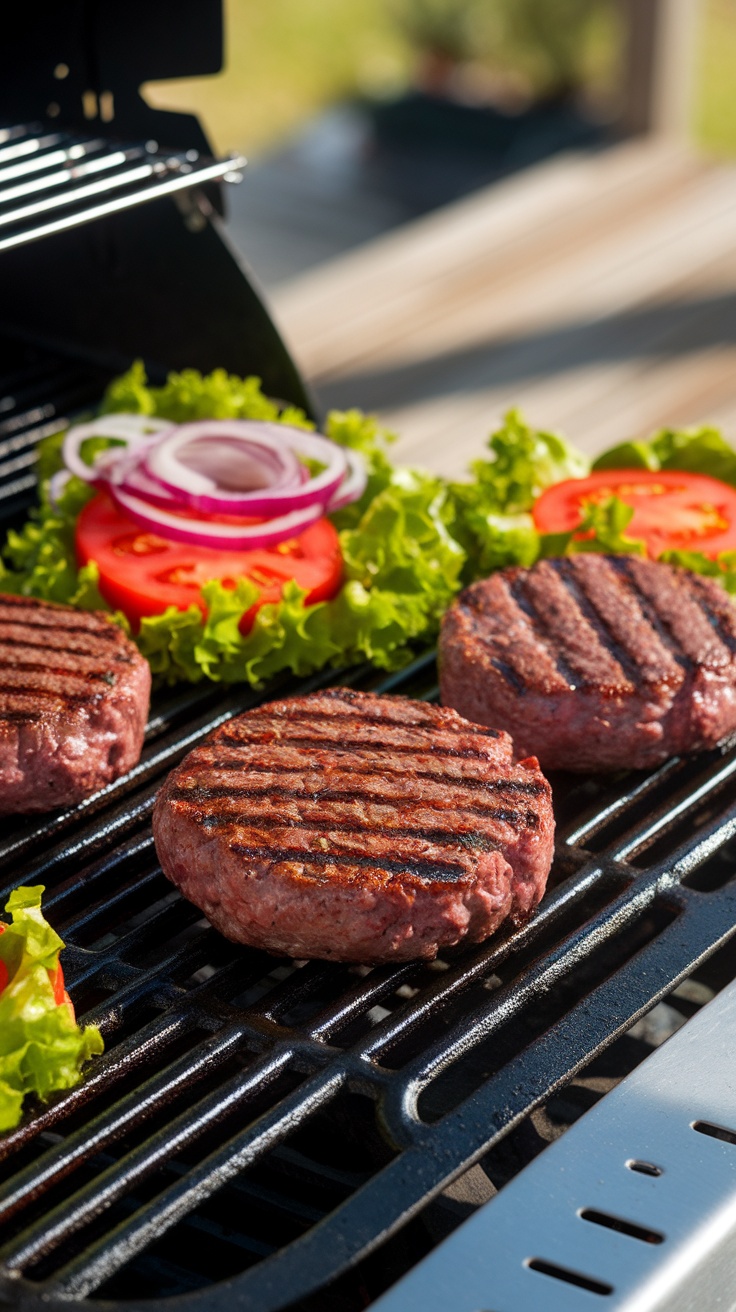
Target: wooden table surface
{"x": 597, "y": 292}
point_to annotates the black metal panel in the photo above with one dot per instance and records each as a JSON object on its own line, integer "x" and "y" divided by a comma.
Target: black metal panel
{"x": 160, "y": 282}
{"x": 228, "y": 1133}
{"x": 107, "y": 47}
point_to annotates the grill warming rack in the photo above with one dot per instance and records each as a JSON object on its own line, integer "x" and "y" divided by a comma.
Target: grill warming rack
{"x": 51, "y": 181}
{"x": 220, "y": 1060}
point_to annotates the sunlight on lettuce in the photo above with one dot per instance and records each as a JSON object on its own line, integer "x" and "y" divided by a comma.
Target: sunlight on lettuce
{"x": 42, "y": 1048}
{"x": 409, "y": 544}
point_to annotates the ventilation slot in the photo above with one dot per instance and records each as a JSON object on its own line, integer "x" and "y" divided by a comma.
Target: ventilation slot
{"x": 623, "y": 1227}
{"x": 570, "y": 1277}
{"x": 644, "y": 1168}
{"x": 715, "y": 1131}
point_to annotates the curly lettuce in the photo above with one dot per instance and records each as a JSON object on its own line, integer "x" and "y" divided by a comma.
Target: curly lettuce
{"x": 42, "y": 1048}
{"x": 701, "y": 450}
{"x": 491, "y": 512}
{"x": 402, "y": 564}
{"x": 409, "y": 544}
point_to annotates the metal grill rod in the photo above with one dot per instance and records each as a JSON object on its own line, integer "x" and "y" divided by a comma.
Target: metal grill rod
{"x": 34, "y": 157}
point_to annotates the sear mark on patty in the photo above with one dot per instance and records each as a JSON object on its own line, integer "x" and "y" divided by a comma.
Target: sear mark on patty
{"x": 626, "y": 662}
{"x": 411, "y": 827}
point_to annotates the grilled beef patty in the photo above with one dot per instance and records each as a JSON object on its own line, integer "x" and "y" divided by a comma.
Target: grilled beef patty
{"x": 73, "y": 704}
{"x": 594, "y": 662}
{"x": 356, "y": 828}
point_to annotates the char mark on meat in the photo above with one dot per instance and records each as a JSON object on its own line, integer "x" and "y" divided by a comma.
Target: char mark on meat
{"x": 594, "y": 662}
{"x": 73, "y": 704}
{"x": 355, "y": 827}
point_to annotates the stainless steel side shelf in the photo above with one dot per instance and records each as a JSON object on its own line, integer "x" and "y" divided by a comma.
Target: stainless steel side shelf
{"x": 634, "y": 1209}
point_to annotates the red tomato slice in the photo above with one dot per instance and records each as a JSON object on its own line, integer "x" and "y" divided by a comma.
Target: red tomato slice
{"x": 673, "y": 511}
{"x": 142, "y": 574}
{"x": 57, "y": 984}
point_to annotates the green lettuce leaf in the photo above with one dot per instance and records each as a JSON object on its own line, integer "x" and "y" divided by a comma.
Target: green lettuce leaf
{"x": 723, "y": 568}
{"x": 524, "y": 461}
{"x": 696, "y": 450}
{"x": 489, "y": 515}
{"x": 409, "y": 544}
{"x": 41, "y": 1046}
{"x": 191, "y": 395}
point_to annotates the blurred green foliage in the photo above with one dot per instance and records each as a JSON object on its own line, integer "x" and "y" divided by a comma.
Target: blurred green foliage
{"x": 553, "y": 45}
{"x": 455, "y": 29}
{"x": 715, "y": 109}
{"x": 557, "y": 43}
{"x": 290, "y": 58}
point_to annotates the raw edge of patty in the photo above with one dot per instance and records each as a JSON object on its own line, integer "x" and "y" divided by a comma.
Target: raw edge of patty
{"x": 274, "y": 830}
{"x": 594, "y": 663}
{"x": 74, "y": 697}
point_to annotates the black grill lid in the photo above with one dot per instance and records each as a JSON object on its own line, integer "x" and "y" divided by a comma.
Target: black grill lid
{"x": 78, "y": 142}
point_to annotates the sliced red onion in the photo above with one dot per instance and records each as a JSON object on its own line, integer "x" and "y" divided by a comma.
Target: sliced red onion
{"x": 57, "y": 484}
{"x": 137, "y": 483}
{"x": 166, "y": 461}
{"x": 203, "y": 534}
{"x": 136, "y": 430}
{"x": 355, "y": 484}
{"x": 164, "y": 468}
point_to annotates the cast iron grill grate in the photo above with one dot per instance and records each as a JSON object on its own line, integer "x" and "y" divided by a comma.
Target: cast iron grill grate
{"x": 51, "y": 181}
{"x": 38, "y": 389}
{"x": 271, "y": 1122}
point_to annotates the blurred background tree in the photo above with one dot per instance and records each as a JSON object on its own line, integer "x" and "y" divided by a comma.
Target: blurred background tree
{"x": 289, "y": 59}
{"x": 562, "y": 46}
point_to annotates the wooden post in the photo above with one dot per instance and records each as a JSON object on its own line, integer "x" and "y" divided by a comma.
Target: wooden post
{"x": 659, "y": 66}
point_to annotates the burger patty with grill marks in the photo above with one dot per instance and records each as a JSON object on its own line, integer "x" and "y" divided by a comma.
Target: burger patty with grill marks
{"x": 353, "y": 827}
{"x": 74, "y": 695}
{"x": 594, "y": 662}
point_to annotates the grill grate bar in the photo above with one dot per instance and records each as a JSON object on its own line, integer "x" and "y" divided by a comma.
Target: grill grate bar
{"x": 27, "y": 141}
{"x": 299, "y": 1011}
{"x": 487, "y": 1019}
{"x": 582, "y": 829}
{"x": 394, "y": 1194}
{"x": 486, "y": 960}
{"x": 105, "y": 1129}
{"x": 65, "y": 154}
{"x": 93, "y": 1267}
{"x": 73, "y": 194}
{"x": 667, "y": 815}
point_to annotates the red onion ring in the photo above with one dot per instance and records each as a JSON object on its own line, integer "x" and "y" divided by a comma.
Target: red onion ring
{"x": 201, "y": 534}
{"x": 148, "y": 479}
{"x": 355, "y": 484}
{"x": 137, "y": 430}
{"x": 165, "y": 463}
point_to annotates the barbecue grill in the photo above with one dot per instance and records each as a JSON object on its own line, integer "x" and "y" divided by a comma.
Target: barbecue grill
{"x": 268, "y": 1134}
